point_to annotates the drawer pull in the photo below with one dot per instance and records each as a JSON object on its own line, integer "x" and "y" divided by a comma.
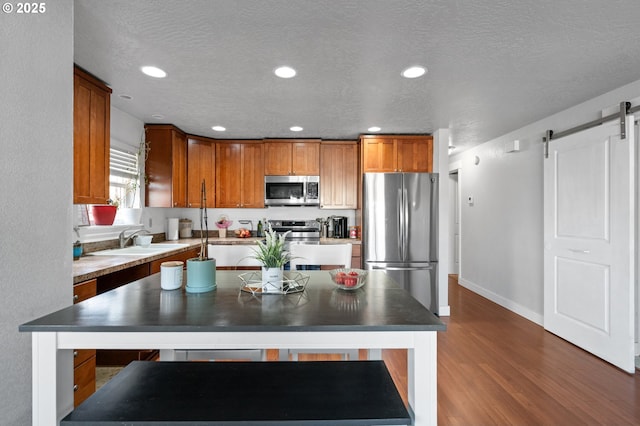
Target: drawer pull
{"x": 75, "y": 297}
{"x": 75, "y": 388}
{"x": 75, "y": 354}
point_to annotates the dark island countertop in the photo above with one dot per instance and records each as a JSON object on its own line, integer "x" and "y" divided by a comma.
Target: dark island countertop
{"x": 142, "y": 306}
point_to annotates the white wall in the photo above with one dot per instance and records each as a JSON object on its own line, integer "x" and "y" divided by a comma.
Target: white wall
{"x": 453, "y": 224}
{"x": 36, "y": 173}
{"x": 502, "y": 232}
{"x": 441, "y": 166}
{"x": 125, "y": 128}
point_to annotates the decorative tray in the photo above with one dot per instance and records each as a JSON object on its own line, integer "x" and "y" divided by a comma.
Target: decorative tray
{"x": 293, "y": 282}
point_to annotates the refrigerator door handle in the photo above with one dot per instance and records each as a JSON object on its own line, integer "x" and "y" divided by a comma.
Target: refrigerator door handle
{"x": 405, "y": 228}
{"x": 400, "y": 268}
{"x": 401, "y": 224}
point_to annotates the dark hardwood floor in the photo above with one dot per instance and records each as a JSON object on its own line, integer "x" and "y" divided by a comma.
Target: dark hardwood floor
{"x": 497, "y": 368}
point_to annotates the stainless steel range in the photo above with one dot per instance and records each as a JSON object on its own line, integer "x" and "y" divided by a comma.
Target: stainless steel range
{"x": 302, "y": 231}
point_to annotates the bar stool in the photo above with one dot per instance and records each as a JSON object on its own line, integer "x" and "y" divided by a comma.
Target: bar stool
{"x": 338, "y": 255}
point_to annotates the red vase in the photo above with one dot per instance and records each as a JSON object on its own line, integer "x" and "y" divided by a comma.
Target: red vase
{"x": 103, "y": 215}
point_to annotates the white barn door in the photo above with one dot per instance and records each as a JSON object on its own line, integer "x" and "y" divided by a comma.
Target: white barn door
{"x": 589, "y": 224}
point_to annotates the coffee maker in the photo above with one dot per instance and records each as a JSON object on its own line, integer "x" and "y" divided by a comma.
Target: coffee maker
{"x": 340, "y": 229}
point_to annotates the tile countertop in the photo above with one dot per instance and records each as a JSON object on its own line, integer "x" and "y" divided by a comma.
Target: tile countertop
{"x": 89, "y": 267}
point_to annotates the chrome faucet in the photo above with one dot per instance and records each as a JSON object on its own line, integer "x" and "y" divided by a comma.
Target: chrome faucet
{"x": 124, "y": 241}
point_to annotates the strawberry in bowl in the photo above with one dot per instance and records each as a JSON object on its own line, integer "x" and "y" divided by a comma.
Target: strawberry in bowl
{"x": 348, "y": 279}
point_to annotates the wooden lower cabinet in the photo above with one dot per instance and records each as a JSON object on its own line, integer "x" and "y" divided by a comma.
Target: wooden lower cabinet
{"x": 154, "y": 266}
{"x": 356, "y": 256}
{"x": 125, "y": 276}
{"x": 84, "y": 360}
{"x": 84, "y": 380}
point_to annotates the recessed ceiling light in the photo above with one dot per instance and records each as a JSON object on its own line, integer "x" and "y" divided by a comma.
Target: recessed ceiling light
{"x": 218, "y": 128}
{"x": 414, "y": 72}
{"x": 125, "y": 97}
{"x": 285, "y": 72}
{"x": 153, "y": 72}
{"x": 374, "y": 129}
{"x": 296, "y": 129}
{"x": 157, "y": 116}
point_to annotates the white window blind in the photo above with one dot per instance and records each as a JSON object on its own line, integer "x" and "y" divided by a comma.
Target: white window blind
{"x": 123, "y": 163}
{"x": 124, "y": 177}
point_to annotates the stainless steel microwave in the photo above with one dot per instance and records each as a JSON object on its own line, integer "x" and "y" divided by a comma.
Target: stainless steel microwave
{"x": 291, "y": 190}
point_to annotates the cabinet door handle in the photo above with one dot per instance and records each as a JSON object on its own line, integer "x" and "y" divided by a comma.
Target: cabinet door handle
{"x": 75, "y": 354}
{"x": 75, "y": 388}
{"x": 75, "y": 297}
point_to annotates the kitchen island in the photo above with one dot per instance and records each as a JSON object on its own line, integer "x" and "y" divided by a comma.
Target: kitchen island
{"x": 381, "y": 315}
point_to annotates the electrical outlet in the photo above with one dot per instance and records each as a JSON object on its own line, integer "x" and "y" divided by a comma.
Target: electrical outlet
{"x": 470, "y": 200}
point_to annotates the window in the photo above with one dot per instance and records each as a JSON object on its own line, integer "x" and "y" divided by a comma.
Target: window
{"x": 124, "y": 177}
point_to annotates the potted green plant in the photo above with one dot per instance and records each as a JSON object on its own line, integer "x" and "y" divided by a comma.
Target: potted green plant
{"x": 273, "y": 257}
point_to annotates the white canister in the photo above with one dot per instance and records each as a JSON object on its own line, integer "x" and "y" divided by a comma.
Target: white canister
{"x": 171, "y": 274}
{"x": 173, "y": 225}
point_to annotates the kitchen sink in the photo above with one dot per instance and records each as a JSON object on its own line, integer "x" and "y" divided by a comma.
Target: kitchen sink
{"x": 140, "y": 251}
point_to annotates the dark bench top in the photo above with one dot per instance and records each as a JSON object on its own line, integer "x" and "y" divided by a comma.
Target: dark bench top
{"x": 142, "y": 306}
{"x": 247, "y": 393}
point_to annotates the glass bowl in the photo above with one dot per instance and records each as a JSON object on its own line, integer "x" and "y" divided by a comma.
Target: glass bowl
{"x": 348, "y": 278}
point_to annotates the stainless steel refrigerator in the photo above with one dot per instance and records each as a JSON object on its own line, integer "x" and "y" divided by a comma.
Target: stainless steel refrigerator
{"x": 400, "y": 231}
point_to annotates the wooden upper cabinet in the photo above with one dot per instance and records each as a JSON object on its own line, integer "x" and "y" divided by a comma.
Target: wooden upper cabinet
{"x": 201, "y": 164}
{"x": 91, "y": 139}
{"x": 284, "y": 157}
{"x": 415, "y": 154}
{"x": 403, "y": 153}
{"x": 339, "y": 175}
{"x": 166, "y": 166}
{"x": 239, "y": 174}
{"x": 277, "y": 159}
{"x": 378, "y": 154}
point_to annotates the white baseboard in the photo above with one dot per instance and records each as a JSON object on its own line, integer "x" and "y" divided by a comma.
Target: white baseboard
{"x": 444, "y": 311}
{"x": 504, "y": 302}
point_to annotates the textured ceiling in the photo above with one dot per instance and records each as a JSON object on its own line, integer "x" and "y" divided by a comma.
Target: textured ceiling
{"x": 493, "y": 65}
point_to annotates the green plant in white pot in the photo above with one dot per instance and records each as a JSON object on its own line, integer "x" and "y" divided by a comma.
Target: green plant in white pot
{"x": 273, "y": 257}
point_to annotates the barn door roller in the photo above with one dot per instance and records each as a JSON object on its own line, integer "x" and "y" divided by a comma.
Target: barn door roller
{"x": 625, "y": 109}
